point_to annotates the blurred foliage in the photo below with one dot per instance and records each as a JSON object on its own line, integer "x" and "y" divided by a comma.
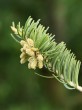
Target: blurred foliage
{"x": 20, "y": 88}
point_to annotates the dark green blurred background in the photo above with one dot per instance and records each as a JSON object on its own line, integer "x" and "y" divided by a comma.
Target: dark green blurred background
{"x": 20, "y": 88}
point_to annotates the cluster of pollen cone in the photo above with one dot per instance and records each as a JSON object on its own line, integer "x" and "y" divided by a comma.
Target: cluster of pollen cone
{"x": 30, "y": 54}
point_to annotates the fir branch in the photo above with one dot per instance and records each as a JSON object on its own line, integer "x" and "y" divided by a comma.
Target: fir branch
{"x": 40, "y": 49}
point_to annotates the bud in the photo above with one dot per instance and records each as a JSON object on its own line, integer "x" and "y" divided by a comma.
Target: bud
{"x": 40, "y": 57}
{"x": 23, "y": 60}
{"x": 40, "y": 64}
{"x": 22, "y": 42}
{"x": 22, "y": 55}
{"x": 30, "y": 52}
{"x": 25, "y": 47}
{"x": 20, "y": 31}
{"x": 34, "y": 49}
{"x": 30, "y": 42}
{"x": 22, "y": 49}
{"x": 14, "y": 30}
{"x": 32, "y": 63}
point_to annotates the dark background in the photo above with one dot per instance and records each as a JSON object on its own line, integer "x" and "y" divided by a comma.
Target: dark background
{"x": 20, "y": 88}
